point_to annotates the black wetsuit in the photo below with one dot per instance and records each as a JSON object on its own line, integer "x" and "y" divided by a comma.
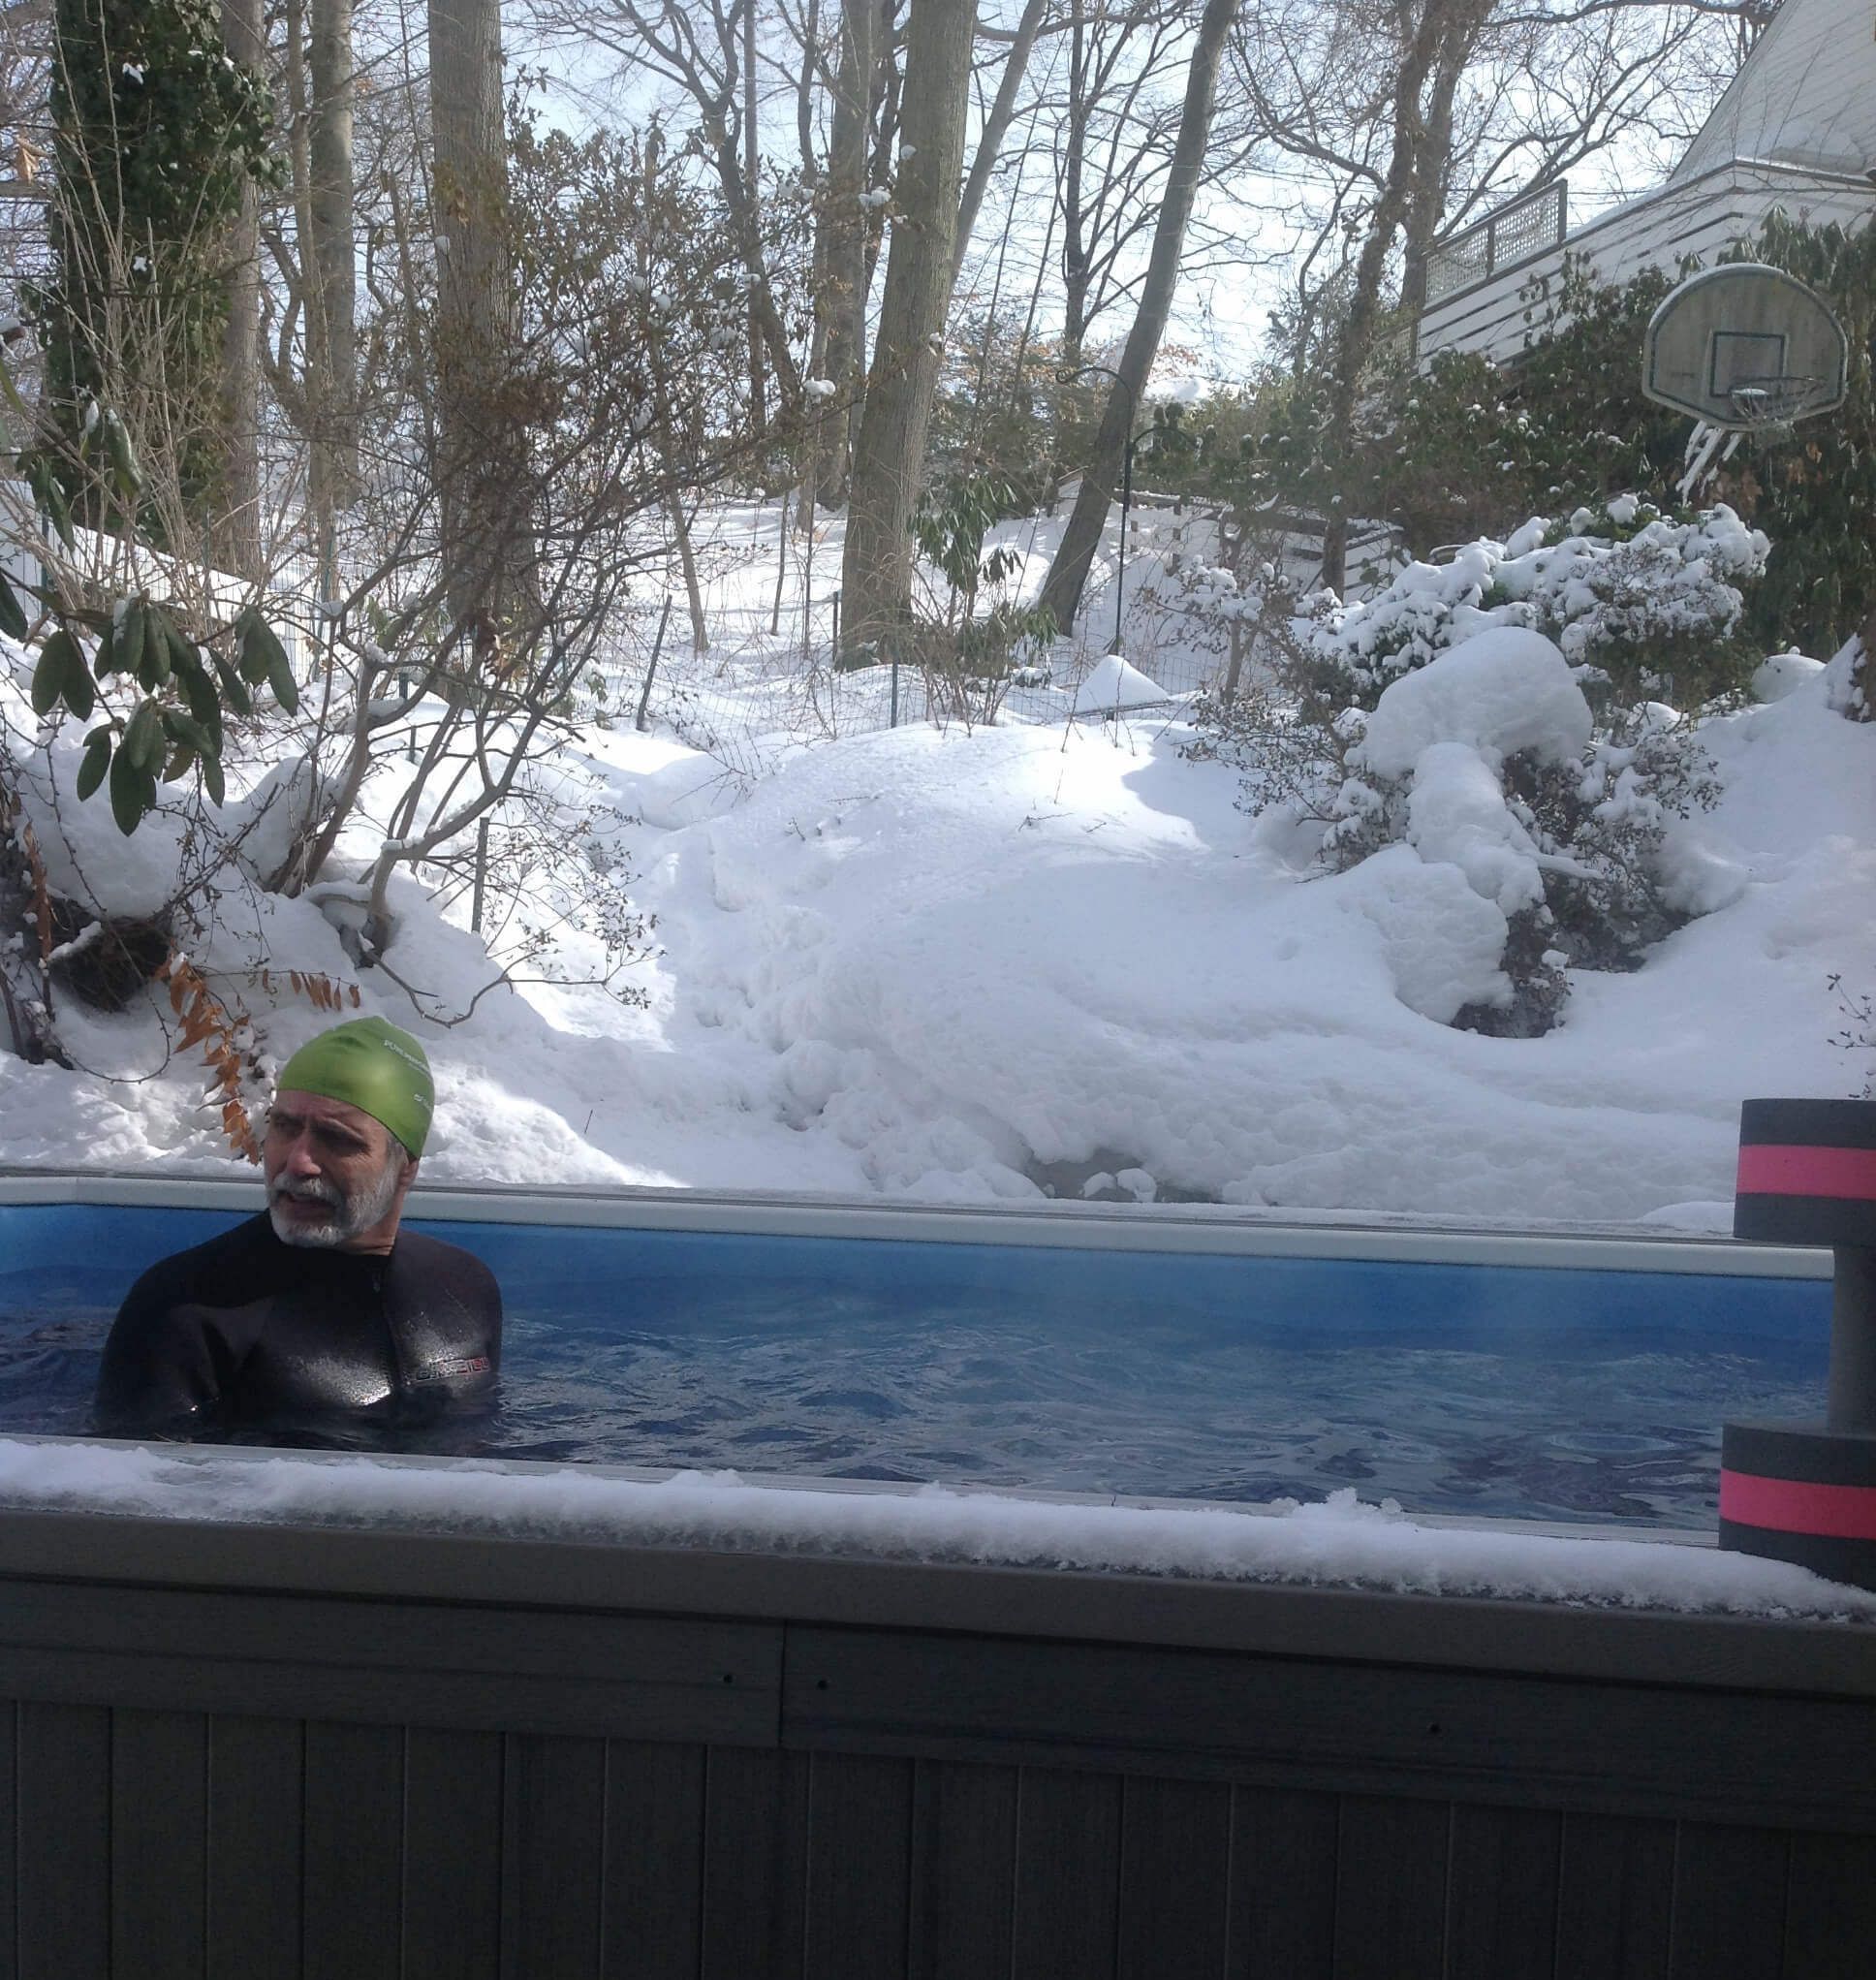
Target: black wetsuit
{"x": 245, "y": 1337}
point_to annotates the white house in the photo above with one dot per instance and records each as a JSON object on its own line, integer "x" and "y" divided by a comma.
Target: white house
{"x": 1795, "y": 129}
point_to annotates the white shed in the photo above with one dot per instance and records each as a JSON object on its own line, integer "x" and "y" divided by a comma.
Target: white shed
{"x": 1795, "y": 130}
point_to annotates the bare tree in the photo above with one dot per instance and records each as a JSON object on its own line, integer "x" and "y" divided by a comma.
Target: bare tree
{"x": 484, "y": 480}
{"x": 1068, "y": 569}
{"x": 1118, "y": 125}
{"x": 237, "y": 548}
{"x": 876, "y": 576}
{"x": 330, "y": 255}
{"x": 845, "y": 235}
{"x": 700, "y": 50}
{"x": 994, "y": 133}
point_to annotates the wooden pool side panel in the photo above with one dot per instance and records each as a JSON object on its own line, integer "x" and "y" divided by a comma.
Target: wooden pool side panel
{"x": 250, "y": 1751}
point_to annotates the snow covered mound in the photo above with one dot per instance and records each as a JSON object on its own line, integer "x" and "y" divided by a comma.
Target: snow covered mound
{"x": 1783, "y": 673}
{"x": 1501, "y": 692}
{"x": 1114, "y": 682}
{"x": 1450, "y": 725}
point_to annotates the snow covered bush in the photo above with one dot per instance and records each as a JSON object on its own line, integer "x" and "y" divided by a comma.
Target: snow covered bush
{"x": 1507, "y": 713}
{"x": 1652, "y": 605}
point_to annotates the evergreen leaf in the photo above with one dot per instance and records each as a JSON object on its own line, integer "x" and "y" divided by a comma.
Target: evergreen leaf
{"x": 97, "y": 760}
{"x": 133, "y": 791}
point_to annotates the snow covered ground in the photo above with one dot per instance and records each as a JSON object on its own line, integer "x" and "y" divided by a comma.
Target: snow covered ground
{"x": 1052, "y": 955}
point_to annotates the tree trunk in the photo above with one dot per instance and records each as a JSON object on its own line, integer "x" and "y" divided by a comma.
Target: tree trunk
{"x": 840, "y": 301}
{"x": 1068, "y": 572}
{"x": 876, "y": 580}
{"x": 237, "y": 527}
{"x": 751, "y": 165}
{"x": 1432, "y": 160}
{"x": 996, "y": 128}
{"x": 1444, "y": 33}
{"x": 482, "y": 472}
{"x": 1075, "y": 252}
{"x": 674, "y": 509}
{"x": 680, "y": 530}
{"x": 328, "y": 256}
{"x": 305, "y": 402}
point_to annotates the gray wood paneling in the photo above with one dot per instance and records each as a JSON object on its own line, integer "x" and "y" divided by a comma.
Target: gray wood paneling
{"x": 353, "y": 1885}
{"x": 453, "y": 1855}
{"x": 1283, "y": 1884}
{"x": 1729, "y": 1916}
{"x": 1531, "y": 1741}
{"x": 553, "y": 1856}
{"x": 964, "y": 1871}
{"x": 654, "y": 1856}
{"x": 859, "y": 1867}
{"x": 755, "y": 1823}
{"x": 1616, "y": 1896}
{"x": 1502, "y": 1894}
{"x": 1067, "y": 1865}
{"x": 256, "y": 1826}
{"x": 454, "y": 1666}
{"x": 159, "y": 1845}
{"x": 944, "y": 1804}
{"x": 63, "y": 1790}
{"x": 1175, "y": 1892}
{"x": 1390, "y": 1889}
{"x": 1830, "y": 1908}
{"x": 437, "y": 1576}
{"x": 9, "y": 1837}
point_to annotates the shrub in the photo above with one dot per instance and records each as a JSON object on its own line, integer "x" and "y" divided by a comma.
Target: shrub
{"x": 1507, "y": 711}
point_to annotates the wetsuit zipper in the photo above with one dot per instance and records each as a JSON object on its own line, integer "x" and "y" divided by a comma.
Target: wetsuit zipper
{"x": 400, "y": 1363}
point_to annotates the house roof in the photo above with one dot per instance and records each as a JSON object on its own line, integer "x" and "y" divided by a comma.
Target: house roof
{"x": 1805, "y": 95}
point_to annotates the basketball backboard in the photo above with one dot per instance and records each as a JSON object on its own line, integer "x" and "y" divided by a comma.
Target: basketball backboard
{"x": 1745, "y": 346}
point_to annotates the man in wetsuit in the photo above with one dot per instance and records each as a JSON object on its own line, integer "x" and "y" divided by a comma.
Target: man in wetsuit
{"x": 319, "y": 1320}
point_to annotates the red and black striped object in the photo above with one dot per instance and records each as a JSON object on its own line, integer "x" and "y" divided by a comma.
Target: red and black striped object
{"x": 1797, "y": 1492}
{"x": 1807, "y": 1172}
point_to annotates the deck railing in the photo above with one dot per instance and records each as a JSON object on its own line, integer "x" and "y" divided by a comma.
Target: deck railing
{"x": 1525, "y": 227}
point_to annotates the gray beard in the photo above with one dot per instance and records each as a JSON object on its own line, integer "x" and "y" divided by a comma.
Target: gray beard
{"x": 352, "y": 1215}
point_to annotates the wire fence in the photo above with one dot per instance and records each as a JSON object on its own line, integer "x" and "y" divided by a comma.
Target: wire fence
{"x": 750, "y": 677}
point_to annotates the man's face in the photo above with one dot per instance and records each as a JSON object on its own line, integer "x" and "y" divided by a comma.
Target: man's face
{"x": 336, "y": 1179}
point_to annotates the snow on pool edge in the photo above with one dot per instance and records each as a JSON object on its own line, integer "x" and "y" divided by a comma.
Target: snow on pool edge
{"x": 1337, "y": 1543}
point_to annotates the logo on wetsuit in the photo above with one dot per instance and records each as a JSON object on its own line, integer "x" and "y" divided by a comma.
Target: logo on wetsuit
{"x": 445, "y": 1371}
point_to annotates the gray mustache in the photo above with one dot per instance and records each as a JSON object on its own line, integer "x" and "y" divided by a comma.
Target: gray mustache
{"x": 315, "y": 1190}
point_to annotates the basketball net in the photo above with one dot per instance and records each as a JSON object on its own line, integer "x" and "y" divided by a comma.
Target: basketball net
{"x": 1767, "y": 408}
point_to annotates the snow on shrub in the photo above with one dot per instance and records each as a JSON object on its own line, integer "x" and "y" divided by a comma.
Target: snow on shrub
{"x": 1652, "y": 603}
{"x": 1506, "y": 714}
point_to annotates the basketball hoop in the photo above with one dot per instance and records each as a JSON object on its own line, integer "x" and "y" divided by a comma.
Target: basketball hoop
{"x": 1743, "y": 350}
{"x": 1767, "y": 407}
{"x": 1744, "y": 347}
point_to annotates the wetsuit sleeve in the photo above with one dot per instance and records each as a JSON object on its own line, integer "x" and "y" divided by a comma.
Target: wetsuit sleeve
{"x": 163, "y": 1367}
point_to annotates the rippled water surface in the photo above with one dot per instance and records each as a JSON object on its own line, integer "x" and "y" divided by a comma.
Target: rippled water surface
{"x": 1560, "y": 1423}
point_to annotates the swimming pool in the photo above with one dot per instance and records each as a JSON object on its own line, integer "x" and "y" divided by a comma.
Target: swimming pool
{"x": 1154, "y": 1353}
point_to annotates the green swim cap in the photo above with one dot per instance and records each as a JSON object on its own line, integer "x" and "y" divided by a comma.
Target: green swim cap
{"x": 372, "y": 1066}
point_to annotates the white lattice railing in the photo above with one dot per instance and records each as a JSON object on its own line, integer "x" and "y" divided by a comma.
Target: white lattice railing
{"x": 1523, "y": 228}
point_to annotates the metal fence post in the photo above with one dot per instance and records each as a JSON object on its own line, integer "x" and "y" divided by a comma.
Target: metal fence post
{"x": 651, "y": 672}
{"x": 481, "y": 874}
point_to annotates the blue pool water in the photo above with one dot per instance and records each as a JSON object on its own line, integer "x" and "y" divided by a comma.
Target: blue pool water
{"x": 1454, "y": 1387}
